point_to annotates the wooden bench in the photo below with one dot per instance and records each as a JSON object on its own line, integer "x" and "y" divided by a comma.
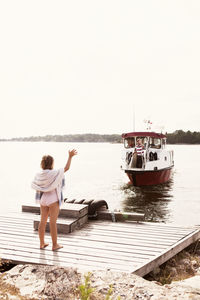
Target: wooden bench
{"x": 71, "y": 217}
{"x": 69, "y": 210}
{"x": 64, "y": 225}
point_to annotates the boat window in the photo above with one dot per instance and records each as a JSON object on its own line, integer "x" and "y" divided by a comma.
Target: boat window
{"x": 143, "y": 139}
{"x": 129, "y": 143}
{"x": 155, "y": 143}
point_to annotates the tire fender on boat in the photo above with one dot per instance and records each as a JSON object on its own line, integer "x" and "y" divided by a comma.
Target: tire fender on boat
{"x": 128, "y": 157}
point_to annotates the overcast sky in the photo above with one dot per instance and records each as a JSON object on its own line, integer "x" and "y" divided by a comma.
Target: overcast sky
{"x": 83, "y": 66}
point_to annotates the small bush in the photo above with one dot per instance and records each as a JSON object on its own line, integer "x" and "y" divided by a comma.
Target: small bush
{"x": 87, "y": 292}
{"x": 85, "y": 289}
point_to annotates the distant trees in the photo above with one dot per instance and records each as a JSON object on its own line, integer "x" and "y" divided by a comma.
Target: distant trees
{"x": 78, "y": 138}
{"x": 182, "y": 137}
{"x": 177, "y": 137}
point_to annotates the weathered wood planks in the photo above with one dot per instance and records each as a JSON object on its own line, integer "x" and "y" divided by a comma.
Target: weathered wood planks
{"x": 68, "y": 210}
{"x": 122, "y": 247}
{"x": 64, "y": 225}
{"x": 71, "y": 217}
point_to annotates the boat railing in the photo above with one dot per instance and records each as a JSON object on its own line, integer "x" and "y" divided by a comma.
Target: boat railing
{"x": 144, "y": 159}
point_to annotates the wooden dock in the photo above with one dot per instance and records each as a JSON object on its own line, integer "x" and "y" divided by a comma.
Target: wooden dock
{"x": 123, "y": 247}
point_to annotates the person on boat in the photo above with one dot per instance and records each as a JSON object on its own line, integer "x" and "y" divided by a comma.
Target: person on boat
{"x": 48, "y": 185}
{"x": 139, "y": 149}
{"x": 131, "y": 143}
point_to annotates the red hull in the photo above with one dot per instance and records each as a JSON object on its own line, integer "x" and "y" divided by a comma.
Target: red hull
{"x": 141, "y": 178}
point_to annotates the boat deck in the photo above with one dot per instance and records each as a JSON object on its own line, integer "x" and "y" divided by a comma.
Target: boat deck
{"x": 123, "y": 247}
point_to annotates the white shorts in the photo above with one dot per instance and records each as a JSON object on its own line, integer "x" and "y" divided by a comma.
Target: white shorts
{"x": 48, "y": 198}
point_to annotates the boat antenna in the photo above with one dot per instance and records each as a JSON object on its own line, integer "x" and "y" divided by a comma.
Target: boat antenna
{"x": 133, "y": 118}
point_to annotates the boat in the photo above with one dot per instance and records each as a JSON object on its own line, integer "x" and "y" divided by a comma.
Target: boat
{"x": 153, "y": 164}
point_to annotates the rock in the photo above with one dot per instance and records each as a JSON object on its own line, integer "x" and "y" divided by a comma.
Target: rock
{"x": 185, "y": 262}
{"x": 156, "y": 271}
{"x": 172, "y": 262}
{"x": 181, "y": 269}
{"x": 43, "y": 282}
{"x": 171, "y": 271}
{"x": 57, "y": 283}
{"x": 195, "y": 264}
{"x": 197, "y": 252}
{"x": 186, "y": 254}
{"x": 192, "y": 282}
{"x": 188, "y": 267}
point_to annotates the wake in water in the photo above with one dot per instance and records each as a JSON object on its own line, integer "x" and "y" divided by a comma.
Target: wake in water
{"x": 151, "y": 200}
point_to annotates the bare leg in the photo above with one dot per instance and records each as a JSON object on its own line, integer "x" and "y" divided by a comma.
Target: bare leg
{"x": 44, "y": 211}
{"x": 53, "y": 214}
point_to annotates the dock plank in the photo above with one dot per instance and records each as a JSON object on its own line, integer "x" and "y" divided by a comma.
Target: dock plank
{"x": 114, "y": 233}
{"x": 90, "y": 236}
{"x": 66, "y": 255}
{"x": 103, "y": 233}
{"x": 85, "y": 250}
{"x": 97, "y": 245}
{"x": 122, "y": 247}
{"x": 95, "y": 237}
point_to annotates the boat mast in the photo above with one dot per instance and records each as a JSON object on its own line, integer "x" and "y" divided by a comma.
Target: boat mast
{"x": 133, "y": 118}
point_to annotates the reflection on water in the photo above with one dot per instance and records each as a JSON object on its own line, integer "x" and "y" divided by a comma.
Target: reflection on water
{"x": 151, "y": 200}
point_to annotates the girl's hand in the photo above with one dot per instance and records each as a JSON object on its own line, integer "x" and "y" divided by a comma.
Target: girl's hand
{"x": 72, "y": 152}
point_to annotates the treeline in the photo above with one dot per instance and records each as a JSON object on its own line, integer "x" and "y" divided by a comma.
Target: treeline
{"x": 182, "y": 137}
{"x": 79, "y": 138}
{"x": 177, "y": 137}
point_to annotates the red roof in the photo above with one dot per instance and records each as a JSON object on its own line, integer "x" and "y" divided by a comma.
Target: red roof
{"x": 146, "y": 133}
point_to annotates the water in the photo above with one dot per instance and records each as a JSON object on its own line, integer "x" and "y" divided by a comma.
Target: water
{"x": 95, "y": 174}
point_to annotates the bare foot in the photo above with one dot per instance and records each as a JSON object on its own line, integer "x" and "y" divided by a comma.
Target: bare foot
{"x": 44, "y": 246}
{"x": 57, "y": 247}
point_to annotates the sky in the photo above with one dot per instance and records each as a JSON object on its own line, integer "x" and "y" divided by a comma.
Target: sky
{"x": 88, "y": 66}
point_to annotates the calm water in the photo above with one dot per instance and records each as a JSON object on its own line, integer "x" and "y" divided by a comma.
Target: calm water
{"x": 95, "y": 174}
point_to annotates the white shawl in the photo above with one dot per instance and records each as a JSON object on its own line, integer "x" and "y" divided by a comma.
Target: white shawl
{"x": 49, "y": 180}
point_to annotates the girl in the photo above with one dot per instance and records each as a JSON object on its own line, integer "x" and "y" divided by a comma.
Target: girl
{"x": 48, "y": 185}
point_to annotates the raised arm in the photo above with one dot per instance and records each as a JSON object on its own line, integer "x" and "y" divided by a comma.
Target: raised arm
{"x": 71, "y": 154}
